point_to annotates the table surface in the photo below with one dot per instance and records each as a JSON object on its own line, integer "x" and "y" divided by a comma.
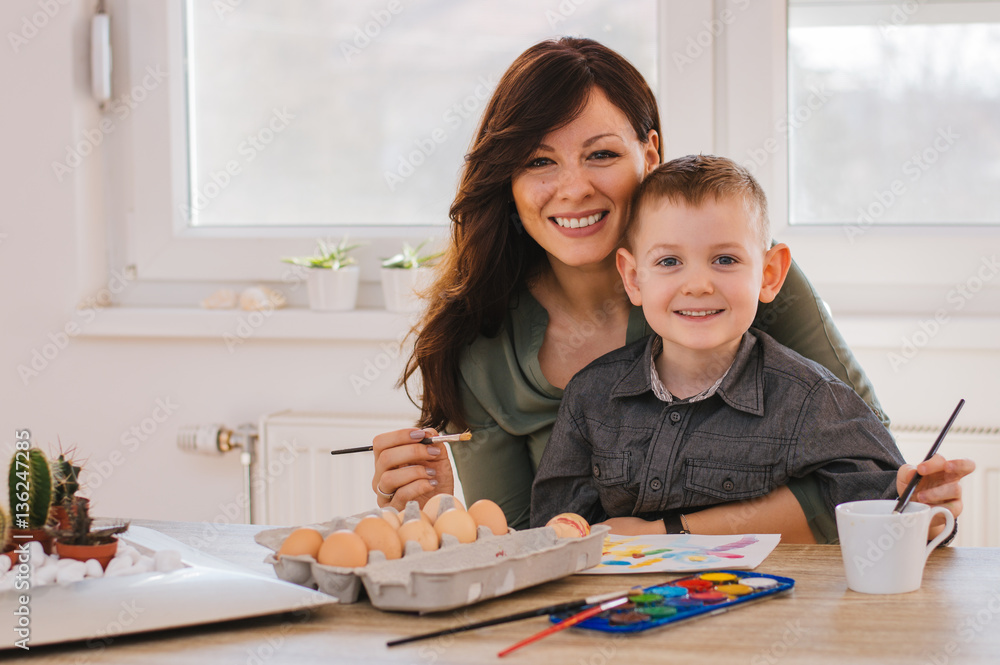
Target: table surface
{"x": 953, "y": 618}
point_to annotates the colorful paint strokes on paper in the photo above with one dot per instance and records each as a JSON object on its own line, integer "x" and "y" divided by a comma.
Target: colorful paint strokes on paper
{"x": 681, "y": 553}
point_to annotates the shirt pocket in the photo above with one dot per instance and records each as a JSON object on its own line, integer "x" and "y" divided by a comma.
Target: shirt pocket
{"x": 608, "y": 468}
{"x": 726, "y": 482}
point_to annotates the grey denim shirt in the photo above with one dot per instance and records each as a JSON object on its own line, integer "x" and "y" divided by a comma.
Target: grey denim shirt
{"x": 616, "y": 450}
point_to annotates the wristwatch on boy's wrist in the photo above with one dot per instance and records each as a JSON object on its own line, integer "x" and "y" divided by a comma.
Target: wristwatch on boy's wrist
{"x": 675, "y": 523}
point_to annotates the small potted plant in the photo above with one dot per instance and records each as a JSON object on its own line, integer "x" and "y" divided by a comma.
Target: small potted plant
{"x": 4, "y": 532}
{"x": 81, "y": 540}
{"x": 405, "y": 275}
{"x": 65, "y": 483}
{"x": 332, "y": 276}
{"x": 29, "y": 484}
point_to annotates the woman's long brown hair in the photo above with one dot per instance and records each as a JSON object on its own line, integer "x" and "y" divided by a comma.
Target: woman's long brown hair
{"x": 490, "y": 258}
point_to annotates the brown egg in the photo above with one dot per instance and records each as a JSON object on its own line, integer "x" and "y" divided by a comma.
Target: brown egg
{"x": 433, "y": 506}
{"x": 301, "y": 541}
{"x": 379, "y": 535}
{"x": 420, "y": 531}
{"x": 458, "y": 523}
{"x": 487, "y": 513}
{"x": 569, "y": 525}
{"x": 343, "y": 548}
{"x": 392, "y": 518}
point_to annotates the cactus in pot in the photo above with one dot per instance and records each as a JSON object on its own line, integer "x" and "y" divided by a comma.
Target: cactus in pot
{"x": 4, "y": 529}
{"x": 65, "y": 483}
{"x": 29, "y": 483}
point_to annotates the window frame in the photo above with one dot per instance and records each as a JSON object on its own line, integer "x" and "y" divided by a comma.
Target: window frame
{"x": 718, "y": 103}
{"x": 721, "y": 105}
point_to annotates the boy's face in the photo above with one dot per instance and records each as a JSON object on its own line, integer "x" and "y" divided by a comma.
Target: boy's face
{"x": 699, "y": 271}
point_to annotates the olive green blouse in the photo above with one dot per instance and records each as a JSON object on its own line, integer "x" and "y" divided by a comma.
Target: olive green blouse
{"x": 511, "y": 406}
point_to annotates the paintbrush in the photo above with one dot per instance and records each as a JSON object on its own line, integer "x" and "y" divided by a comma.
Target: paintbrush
{"x": 904, "y": 498}
{"x": 464, "y": 436}
{"x": 566, "y": 623}
{"x": 541, "y": 611}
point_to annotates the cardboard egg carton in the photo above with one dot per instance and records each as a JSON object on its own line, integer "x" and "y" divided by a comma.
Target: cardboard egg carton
{"x": 454, "y": 576}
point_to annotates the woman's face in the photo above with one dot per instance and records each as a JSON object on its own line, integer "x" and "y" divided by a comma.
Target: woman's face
{"x": 573, "y": 193}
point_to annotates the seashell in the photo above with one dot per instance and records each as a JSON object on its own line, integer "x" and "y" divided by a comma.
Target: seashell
{"x": 221, "y": 299}
{"x": 261, "y": 299}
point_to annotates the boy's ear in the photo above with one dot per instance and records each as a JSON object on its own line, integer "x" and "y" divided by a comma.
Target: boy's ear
{"x": 630, "y": 275}
{"x": 777, "y": 261}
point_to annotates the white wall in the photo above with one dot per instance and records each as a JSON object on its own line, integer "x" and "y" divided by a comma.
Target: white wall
{"x": 94, "y": 390}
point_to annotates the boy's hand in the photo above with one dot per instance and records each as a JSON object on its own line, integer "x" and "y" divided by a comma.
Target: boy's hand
{"x": 634, "y": 526}
{"x": 939, "y": 486}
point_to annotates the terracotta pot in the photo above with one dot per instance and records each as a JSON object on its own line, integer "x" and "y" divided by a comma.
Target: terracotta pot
{"x": 103, "y": 553}
{"x": 17, "y": 536}
{"x": 61, "y": 517}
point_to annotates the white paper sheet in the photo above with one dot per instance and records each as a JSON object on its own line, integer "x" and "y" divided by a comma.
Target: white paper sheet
{"x": 682, "y": 553}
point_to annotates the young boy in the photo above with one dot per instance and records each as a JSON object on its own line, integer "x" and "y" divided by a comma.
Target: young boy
{"x": 707, "y": 410}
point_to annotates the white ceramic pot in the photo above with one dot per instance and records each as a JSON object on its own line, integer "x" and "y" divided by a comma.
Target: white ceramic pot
{"x": 401, "y": 285}
{"x": 333, "y": 290}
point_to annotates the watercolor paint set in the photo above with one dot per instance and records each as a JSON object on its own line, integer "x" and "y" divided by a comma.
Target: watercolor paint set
{"x": 685, "y": 598}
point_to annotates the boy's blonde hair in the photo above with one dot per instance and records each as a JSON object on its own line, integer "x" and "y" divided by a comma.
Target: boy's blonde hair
{"x": 690, "y": 179}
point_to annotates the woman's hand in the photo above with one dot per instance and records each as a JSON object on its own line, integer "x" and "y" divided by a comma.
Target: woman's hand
{"x": 939, "y": 486}
{"x": 407, "y": 470}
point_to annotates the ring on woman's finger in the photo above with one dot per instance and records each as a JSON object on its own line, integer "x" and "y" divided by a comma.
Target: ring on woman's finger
{"x": 383, "y": 494}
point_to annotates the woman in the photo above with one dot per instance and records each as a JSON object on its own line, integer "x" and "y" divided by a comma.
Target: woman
{"x": 528, "y": 294}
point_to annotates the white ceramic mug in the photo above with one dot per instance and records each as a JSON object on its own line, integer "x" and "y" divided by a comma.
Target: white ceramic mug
{"x": 885, "y": 552}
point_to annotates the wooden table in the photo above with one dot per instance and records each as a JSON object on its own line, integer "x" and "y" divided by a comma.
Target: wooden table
{"x": 953, "y": 618}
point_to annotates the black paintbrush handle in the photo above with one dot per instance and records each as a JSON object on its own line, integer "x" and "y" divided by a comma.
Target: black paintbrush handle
{"x": 344, "y": 451}
{"x": 904, "y": 498}
{"x": 542, "y": 611}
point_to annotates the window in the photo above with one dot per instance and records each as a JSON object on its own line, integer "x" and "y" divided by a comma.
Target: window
{"x": 893, "y": 112}
{"x": 281, "y": 122}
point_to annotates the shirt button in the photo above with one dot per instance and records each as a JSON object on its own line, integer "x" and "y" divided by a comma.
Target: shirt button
{"x": 597, "y": 471}
{"x": 655, "y": 484}
{"x": 675, "y": 417}
{"x": 728, "y": 485}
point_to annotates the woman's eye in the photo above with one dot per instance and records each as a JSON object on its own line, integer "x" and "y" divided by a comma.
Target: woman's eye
{"x": 668, "y": 262}
{"x": 604, "y": 154}
{"x": 726, "y": 260}
{"x": 538, "y": 162}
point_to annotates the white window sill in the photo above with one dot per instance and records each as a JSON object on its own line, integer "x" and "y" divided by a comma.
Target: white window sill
{"x": 293, "y": 323}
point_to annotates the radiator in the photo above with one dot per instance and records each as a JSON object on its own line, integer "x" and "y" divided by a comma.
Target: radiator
{"x": 295, "y": 479}
{"x": 979, "y": 524}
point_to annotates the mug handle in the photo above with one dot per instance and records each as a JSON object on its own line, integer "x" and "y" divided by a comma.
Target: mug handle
{"x": 948, "y": 526}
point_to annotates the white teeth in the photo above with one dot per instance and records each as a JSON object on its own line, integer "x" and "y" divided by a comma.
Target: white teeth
{"x": 685, "y": 312}
{"x": 578, "y": 222}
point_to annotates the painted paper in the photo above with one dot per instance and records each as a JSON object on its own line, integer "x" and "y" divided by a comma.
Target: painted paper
{"x": 682, "y": 553}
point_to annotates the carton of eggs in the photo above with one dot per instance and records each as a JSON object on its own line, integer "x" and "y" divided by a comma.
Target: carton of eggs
{"x": 388, "y": 550}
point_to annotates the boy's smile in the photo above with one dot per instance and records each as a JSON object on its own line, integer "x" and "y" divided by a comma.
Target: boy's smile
{"x": 698, "y": 272}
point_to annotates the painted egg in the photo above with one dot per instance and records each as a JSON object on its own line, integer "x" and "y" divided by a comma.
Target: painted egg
{"x": 569, "y": 525}
{"x": 420, "y": 531}
{"x": 343, "y": 548}
{"x": 433, "y": 505}
{"x": 301, "y": 541}
{"x": 379, "y": 535}
{"x": 457, "y": 523}
{"x": 487, "y": 513}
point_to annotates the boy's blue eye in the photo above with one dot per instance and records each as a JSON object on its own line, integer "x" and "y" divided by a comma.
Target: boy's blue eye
{"x": 726, "y": 260}
{"x": 668, "y": 261}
